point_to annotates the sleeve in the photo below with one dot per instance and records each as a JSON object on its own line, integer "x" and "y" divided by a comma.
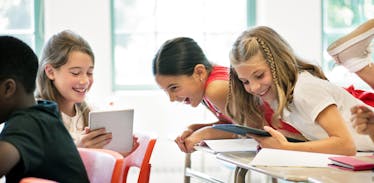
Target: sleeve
{"x": 311, "y": 97}
{"x": 25, "y": 134}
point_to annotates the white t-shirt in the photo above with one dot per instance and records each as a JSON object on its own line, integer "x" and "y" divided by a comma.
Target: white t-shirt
{"x": 74, "y": 124}
{"x": 311, "y": 96}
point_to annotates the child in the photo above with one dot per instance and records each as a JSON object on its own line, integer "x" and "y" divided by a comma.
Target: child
{"x": 34, "y": 142}
{"x": 353, "y": 52}
{"x": 265, "y": 69}
{"x": 65, "y": 76}
{"x": 182, "y": 70}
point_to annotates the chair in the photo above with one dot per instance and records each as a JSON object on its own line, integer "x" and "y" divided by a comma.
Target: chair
{"x": 140, "y": 158}
{"x": 35, "y": 180}
{"x": 102, "y": 165}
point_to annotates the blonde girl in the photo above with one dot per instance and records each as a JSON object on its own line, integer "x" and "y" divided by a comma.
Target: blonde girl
{"x": 266, "y": 69}
{"x": 65, "y": 76}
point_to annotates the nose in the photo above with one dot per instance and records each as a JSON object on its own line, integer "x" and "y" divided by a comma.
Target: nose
{"x": 252, "y": 87}
{"x": 171, "y": 97}
{"x": 84, "y": 79}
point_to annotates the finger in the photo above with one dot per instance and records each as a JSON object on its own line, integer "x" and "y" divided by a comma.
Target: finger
{"x": 274, "y": 133}
{"x": 186, "y": 133}
{"x": 101, "y": 141}
{"x": 181, "y": 146}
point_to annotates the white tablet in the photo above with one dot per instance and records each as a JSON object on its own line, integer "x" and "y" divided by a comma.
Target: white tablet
{"x": 119, "y": 123}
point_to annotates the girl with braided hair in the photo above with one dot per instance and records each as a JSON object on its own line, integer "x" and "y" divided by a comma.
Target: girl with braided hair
{"x": 264, "y": 68}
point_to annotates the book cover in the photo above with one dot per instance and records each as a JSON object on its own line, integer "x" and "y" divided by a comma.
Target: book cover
{"x": 355, "y": 163}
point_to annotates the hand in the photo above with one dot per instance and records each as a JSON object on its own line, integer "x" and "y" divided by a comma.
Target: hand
{"x": 135, "y": 145}
{"x": 276, "y": 141}
{"x": 94, "y": 139}
{"x": 362, "y": 120}
{"x": 180, "y": 140}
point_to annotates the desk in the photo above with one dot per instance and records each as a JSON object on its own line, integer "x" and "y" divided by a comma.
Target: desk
{"x": 297, "y": 174}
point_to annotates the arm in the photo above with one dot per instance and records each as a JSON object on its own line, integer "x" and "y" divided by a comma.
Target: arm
{"x": 9, "y": 157}
{"x": 339, "y": 140}
{"x": 363, "y": 120}
{"x": 216, "y": 92}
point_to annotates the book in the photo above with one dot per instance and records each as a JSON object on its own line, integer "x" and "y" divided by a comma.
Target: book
{"x": 243, "y": 130}
{"x": 117, "y": 122}
{"x": 355, "y": 163}
{"x": 227, "y": 145}
{"x": 289, "y": 158}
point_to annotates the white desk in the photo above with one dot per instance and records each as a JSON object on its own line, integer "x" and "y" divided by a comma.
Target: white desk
{"x": 317, "y": 175}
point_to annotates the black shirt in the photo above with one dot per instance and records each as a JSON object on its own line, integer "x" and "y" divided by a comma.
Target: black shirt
{"x": 45, "y": 146}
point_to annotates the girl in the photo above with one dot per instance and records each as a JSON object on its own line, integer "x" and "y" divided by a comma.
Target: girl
{"x": 184, "y": 73}
{"x": 265, "y": 69}
{"x": 65, "y": 75}
{"x": 353, "y": 52}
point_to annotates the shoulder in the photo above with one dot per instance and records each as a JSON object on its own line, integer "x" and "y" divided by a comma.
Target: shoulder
{"x": 217, "y": 89}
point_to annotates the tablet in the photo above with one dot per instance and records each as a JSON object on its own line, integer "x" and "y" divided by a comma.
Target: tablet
{"x": 119, "y": 123}
{"x": 243, "y": 130}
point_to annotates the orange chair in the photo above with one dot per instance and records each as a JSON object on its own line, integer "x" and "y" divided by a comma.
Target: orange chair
{"x": 140, "y": 158}
{"x": 35, "y": 180}
{"x": 102, "y": 165}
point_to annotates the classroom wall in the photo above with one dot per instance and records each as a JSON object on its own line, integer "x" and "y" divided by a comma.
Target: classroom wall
{"x": 299, "y": 21}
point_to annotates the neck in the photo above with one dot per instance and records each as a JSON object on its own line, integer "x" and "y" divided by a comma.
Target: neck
{"x": 67, "y": 107}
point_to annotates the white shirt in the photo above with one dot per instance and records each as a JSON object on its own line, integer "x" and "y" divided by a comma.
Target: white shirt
{"x": 311, "y": 96}
{"x": 74, "y": 124}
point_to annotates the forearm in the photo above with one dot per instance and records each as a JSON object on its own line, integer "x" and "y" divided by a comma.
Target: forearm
{"x": 331, "y": 145}
{"x": 195, "y": 127}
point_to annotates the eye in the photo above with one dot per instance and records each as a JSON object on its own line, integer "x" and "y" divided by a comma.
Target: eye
{"x": 173, "y": 88}
{"x": 245, "y": 82}
{"x": 259, "y": 76}
{"x": 75, "y": 73}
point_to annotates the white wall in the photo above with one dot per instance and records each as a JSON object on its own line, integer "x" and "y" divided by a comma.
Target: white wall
{"x": 299, "y": 21}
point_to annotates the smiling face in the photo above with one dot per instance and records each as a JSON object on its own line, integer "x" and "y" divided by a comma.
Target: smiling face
{"x": 73, "y": 79}
{"x": 255, "y": 75}
{"x": 183, "y": 88}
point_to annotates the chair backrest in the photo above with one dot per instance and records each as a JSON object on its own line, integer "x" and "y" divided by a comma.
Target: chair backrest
{"x": 35, "y": 180}
{"x": 140, "y": 158}
{"x": 102, "y": 165}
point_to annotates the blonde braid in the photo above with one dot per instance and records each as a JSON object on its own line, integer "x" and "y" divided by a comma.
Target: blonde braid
{"x": 269, "y": 59}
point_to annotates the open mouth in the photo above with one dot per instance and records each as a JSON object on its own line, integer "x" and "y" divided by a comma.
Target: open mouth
{"x": 80, "y": 90}
{"x": 187, "y": 101}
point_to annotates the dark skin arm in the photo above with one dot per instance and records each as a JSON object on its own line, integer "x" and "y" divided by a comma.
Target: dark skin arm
{"x": 9, "y": 157}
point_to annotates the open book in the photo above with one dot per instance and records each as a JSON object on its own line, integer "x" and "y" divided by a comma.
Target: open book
{"x": 288, "y": 158}
{"x": 227, "y": 145}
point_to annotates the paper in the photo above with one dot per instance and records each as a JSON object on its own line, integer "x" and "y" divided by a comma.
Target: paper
{"x": 231, "y": 145}
{"x": 277, "y": 157}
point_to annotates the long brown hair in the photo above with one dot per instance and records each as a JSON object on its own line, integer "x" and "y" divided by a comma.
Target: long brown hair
{"x": 56, "y": 53}
{"x": 285, "y": 66}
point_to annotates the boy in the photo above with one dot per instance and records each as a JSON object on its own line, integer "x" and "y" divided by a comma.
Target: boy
{"x": 34, "y": 141}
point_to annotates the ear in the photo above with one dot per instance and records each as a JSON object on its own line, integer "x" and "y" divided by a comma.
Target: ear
{"x": 49, "y": 71}
{"x": 200, "y": 70}
{"x": 7, "y": 88}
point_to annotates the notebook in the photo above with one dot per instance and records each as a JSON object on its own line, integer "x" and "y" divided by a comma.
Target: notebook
{"x": 119, "y": 123}
{"x": 354, "y": 163}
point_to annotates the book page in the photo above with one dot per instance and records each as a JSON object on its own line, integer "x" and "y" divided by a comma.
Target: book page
{"x": 277, "y": 157}
{"x": 231, "y": 145}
